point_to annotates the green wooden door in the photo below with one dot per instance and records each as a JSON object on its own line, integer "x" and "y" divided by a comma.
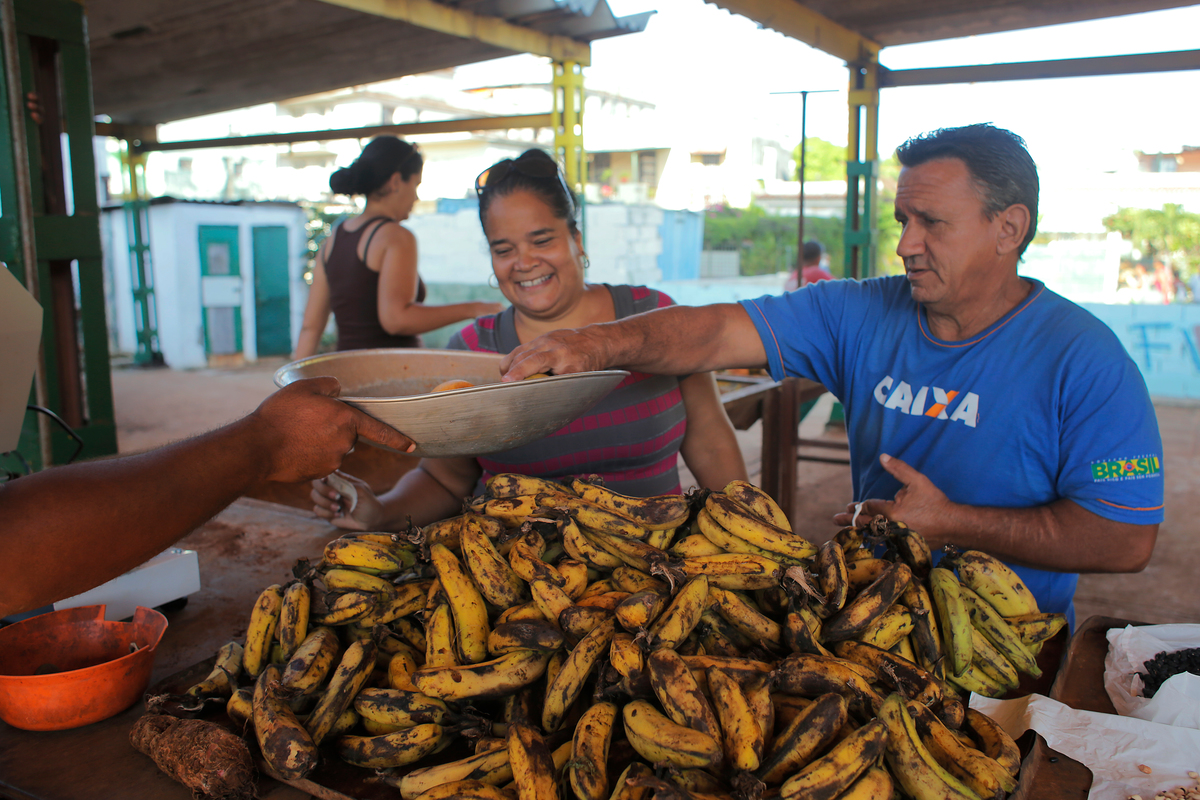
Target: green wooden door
{"x": 272, "y": 311}
{"x": 221, "y": 289}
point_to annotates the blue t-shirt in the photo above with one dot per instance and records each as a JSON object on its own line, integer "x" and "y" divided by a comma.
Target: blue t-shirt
{"x": 1042, "y": 405}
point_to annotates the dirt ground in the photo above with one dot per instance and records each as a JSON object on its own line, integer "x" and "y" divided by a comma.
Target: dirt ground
{"x": 157, "y": 406}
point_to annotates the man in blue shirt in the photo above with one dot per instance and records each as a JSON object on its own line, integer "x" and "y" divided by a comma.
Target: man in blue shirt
{"x": 983, "y": 409}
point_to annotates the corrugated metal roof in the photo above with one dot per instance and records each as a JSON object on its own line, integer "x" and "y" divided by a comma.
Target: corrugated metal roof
{"x": 161, "y": 60}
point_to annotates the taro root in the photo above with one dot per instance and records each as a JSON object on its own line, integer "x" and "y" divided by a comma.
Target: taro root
{"x": 208, "y": 759}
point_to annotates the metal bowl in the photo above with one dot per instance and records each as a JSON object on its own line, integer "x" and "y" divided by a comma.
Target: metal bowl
{"x": 394, "y": 386}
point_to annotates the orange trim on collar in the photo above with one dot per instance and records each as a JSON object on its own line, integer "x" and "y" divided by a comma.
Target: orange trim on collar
{"x": 921, "y": 323}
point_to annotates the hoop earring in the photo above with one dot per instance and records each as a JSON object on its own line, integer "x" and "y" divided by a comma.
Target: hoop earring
{"x": 586, "y": 262}
{"x": 491, "y": 278}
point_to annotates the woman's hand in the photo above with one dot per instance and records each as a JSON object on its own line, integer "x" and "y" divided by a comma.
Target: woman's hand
{"x": 360, "y": 511}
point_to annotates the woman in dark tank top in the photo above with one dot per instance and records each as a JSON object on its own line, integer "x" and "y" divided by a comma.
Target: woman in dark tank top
{"x": 366, "y": 271}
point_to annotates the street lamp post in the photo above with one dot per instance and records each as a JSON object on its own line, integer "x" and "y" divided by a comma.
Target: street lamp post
{"x": 803, "y": 150}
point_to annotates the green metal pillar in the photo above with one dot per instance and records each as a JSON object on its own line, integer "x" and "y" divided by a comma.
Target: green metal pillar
{"x": 54, "y": 178}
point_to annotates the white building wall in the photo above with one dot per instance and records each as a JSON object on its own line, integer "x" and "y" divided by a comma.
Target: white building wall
{"x": 175, "y": 264}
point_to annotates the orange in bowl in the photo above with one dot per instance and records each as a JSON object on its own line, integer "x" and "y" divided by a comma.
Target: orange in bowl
{"x": 72, "y": 667}
{"x": 446, "y": 386}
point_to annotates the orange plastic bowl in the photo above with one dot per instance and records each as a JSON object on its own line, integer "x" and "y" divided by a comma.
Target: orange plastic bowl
{"x": 72, "y": 667}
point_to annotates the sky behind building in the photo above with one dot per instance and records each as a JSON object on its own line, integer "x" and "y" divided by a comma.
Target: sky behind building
{"x": 709, "y": 69}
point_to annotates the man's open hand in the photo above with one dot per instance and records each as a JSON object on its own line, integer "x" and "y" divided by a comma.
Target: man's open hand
{"x": 919, "y": 504}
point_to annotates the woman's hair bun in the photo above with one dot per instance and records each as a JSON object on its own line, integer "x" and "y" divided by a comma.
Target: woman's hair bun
{"x": 343, "y": 181}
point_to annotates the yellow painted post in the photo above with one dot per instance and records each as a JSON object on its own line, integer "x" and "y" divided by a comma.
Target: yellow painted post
{"x": 862, "y": 167}
{"x": 568, "y": 121}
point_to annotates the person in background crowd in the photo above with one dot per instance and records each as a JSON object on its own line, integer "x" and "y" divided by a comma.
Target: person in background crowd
{"x": 984, "y": 410}
{"x": 632, "y": 438}
{"x": 366, "y": 270}
{"x": 811, "y": 269}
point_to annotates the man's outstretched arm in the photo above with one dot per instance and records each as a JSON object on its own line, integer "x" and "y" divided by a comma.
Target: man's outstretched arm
{"x": 679, "y": 340}
{"x": 69, "y": 529}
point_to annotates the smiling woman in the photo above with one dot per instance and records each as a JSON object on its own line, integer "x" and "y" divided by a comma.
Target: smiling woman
{"x": 632, "y": 438}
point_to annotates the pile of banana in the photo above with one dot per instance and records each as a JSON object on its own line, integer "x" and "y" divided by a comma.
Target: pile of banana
{"x": 560, "y": 640}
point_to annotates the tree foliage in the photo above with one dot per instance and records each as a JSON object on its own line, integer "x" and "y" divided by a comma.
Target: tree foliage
{"x": 768, "y": 243}
{"x": 1168, "y": 233}
{"x": 823, "y": 161}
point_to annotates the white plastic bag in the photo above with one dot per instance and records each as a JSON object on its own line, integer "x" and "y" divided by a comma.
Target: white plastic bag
{"x": 1177, "y": 701}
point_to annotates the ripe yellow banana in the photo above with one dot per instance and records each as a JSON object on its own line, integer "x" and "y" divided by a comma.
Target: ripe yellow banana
{"x": 722, "y": 541}
{"x": 833, "y": 578}
{"x": 352, "y": 672}
{"x": 495, "y": 579}
{"x": 743, "y": 524}
{"x": 588, "y": 767}
{"x": 240, "y": 709}
{"x": 396, "y": 749}
{"x": 525, "y": 558}
{"x": 565, "y": 687}
{"x": 532, "y": 763}
{"x": 634, "y": 552}
{"x": 912, "y": 548}
{"x": 583, "y": 549}
{"x": 344, "y": 608}
{"x": 308, "y": 667}
{"x": 926, "y": 637}
{"x": 628, "y": 579}
{"x": 401, "y": 709}
{"x": 759, "y": 502}
{"x": 404, "y": 599}
{"x": 991, "y": 661}
{"x": 578, "y": 621}
{"x": 680, "y": 617}
{"x": 599, "y": 587}
{"x": 895, "y": 671}
{"x": 995, "y": 582}
{"x": 293, "y": 617}
{"x": 914, "y": 767}
{"x": 363, "y": 554}
{"x": 261, "y": 630}
{"x": 864, "y": 571}
{"x": 996, "y": 630}
{"x": 222, "y": 680}
{"x": 742, "y": 614}
{"x": 510, "y": 484}
{"x": 608, "y": 600}
{"x": 981, "y": 773}
{"x": 744, "y": 738}
{"x": 1037, "y": 628}
{"x": 993, "y": 740}
{"x": 975, "y": 679}
{"x": 696, "y": 544}
{"x": 798, "y": 634}
{"x": 808, "y": 733}
{"x": 659, "y": 513}
{"x": 491, "y": 767}
{"x": 679, "y": 694}
{"x": 868, "y": 604}
{"x": 466, "y": 602}
{"x": 874, "y": 784}
{"x": 639, "y": 610}
{"x": 541, "y": 635}
{"x": 286, "y": 746}
{"x": 592, "y": 516}
{"x": 834, "y": 773}
{"x": 400, "y": 668}
{"x": 494, "y": 678}
{"x": 466, "y": 790}
{"x": 575, "y": 576}
{"x": 551, "y": 600}
{"x": 952, "y": 619}
{"x": 440, "y": 648}
{"x": 657, "y": 739}
{"x": 812, "y": 676}
{"x": 345, "y": 579}
{"x": 736, "y": 571}
{"x": 886, "y": 630}
{"x": 513, "y": 511}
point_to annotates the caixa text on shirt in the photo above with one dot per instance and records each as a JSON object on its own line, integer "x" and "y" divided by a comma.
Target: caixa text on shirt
{"x": 928, "y": 401}
{"x": 1126, "y": 469}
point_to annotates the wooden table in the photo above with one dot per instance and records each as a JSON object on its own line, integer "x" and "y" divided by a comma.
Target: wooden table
{"x": 250, "y": 545}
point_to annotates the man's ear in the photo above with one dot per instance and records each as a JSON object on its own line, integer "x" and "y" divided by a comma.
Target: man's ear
{"x": 1014, "y": 225}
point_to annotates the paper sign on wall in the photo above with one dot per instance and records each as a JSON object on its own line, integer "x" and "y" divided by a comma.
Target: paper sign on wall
{"x": 20, "y": 334}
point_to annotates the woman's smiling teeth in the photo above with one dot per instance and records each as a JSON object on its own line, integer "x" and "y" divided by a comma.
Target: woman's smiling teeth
{"x": 529, "y": 284}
